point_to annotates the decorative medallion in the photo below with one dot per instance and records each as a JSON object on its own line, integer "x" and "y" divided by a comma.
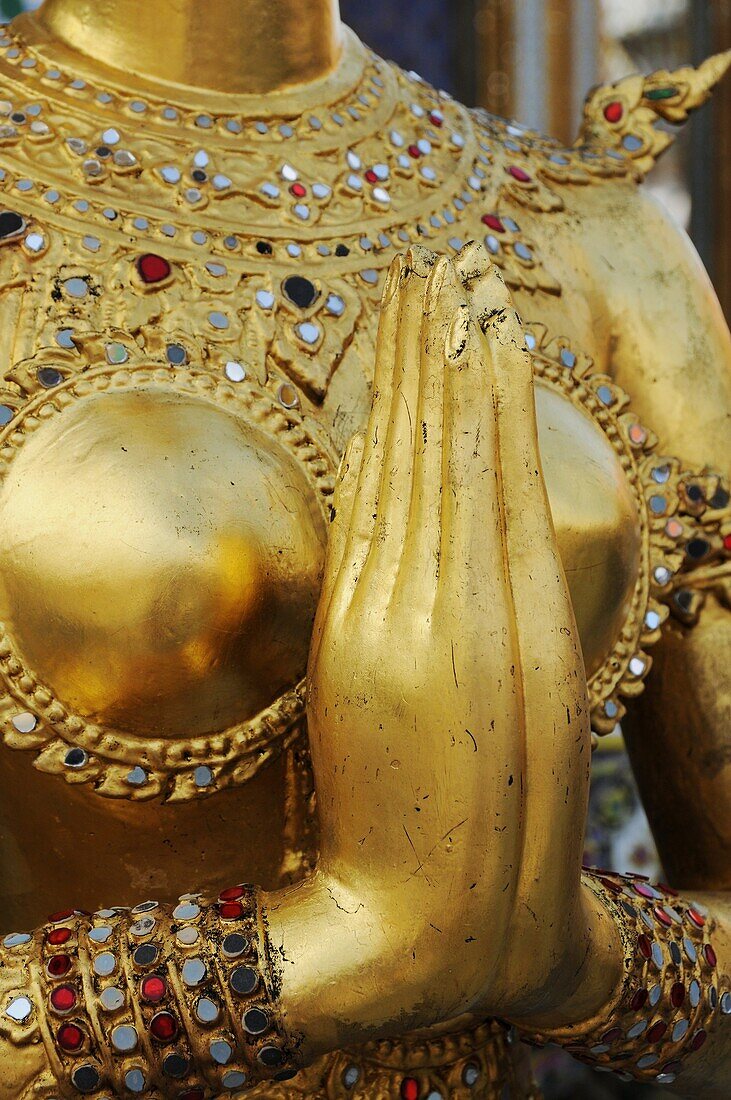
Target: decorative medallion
{"x": 115, "y": 761}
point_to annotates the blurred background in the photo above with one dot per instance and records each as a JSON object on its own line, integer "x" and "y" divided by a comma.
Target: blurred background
{"x": 535, "y": 60}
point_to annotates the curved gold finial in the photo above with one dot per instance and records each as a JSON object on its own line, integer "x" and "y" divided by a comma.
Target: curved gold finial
{"x": 625, "y": 115}
{"x": 242, "y": 47}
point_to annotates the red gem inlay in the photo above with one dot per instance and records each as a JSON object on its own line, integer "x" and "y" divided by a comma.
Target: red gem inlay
{"x": 59, "y": 965}
{"x": 232, "y": 894}
{"x": 436, "y": 119}
{"x": 63, "y": 999}
{"x": 414, "y": 151}
{"x": 371, "y": 176}
{"x": 639, "y": 1000}
{"x": 193, "y": 1094}
{"x": 698, "y": 919}
{"x": 710, "y": 955}
{"x": 611, "y": 1035}
{"x": 57, "y": 936}
{"x": 152, "y": 268}
{"x": 409, "y": 1089}
{"x": 164, "y": 1027}
{"x": 153, "y": 988}
{"x": 613, "y": 111}
{"x": 519, "y": 174}
{"x": 63, "y": 914}
{"x": 231, "y": 910}
{"x": 644, "y": 946}
{"x": 727, "y": 542}
{"x": 70, "y": 1037}
{"x": 493, "y": 222}
{"x": 641, "y": 890}
{"x": 662, "y": 916}
{"x": 298, "y": 190}
{"x": 667, "y": 889}
{"x": 698, "y": 1040}
{"x": 656, "y": 1032}
{"x": 677, "y": 995}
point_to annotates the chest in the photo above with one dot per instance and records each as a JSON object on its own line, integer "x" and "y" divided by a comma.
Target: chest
{"x": 171, "y": 260}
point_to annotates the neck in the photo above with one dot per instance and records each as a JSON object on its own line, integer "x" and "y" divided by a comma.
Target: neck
{"x": 237, "y": 46}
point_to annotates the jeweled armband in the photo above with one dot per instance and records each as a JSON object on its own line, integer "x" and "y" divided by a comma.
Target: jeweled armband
{"x": 150, "y": 998}
{"x": 670, "y": 997}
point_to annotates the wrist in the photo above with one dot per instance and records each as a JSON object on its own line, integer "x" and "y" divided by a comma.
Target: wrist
{"x": 666, "y": 1000}
{"x": 591, "y": 973}
{"x": 599, "y": 977}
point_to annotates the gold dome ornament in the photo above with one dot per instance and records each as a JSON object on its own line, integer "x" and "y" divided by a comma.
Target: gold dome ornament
{"x": 95, "y": 712}
{"x": 370, "y": 691}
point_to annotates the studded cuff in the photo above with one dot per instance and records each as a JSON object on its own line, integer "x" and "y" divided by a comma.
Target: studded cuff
{"x": 670, "y": 997}
{"x": 142, "y": 1000}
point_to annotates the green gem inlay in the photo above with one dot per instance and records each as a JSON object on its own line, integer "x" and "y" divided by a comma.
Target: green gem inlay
{"x": 661, "y": 93}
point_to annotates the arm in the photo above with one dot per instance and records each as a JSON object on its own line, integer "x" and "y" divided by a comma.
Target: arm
{"x": 450, "y": 742}
{"x": 667, "y": 344}
{"x": 670, "y": 348}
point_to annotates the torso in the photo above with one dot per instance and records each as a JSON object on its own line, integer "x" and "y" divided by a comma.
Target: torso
{"x": 157, "y": 251}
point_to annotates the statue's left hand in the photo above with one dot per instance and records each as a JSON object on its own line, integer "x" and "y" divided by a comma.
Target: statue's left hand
{"x": 447, "y": 696}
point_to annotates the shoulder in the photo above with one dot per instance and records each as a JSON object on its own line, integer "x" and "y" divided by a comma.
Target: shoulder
{"x": 624, "y": 132}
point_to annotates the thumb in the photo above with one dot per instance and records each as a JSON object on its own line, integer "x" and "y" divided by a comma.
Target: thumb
{"x": 341, "y": 515}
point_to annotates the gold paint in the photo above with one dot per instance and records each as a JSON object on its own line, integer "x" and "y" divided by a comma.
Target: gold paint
{"x": 159, "y": 617}
{"x": 232, "y": 46}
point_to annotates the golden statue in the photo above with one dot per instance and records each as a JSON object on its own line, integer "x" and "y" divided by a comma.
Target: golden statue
{"x": 218, "y": 220}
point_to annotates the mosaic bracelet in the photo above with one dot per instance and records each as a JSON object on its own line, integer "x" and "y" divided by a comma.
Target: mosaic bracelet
{"x": 136, "y": 1000}
{"x": 670, "y": 997}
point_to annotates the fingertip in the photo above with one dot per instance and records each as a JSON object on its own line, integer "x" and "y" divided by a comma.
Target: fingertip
{"x": 441, "y": 275}
{"x": 393, "y": 279}
{"x": 420, "y": 260}
{"x": 473, "y": 261}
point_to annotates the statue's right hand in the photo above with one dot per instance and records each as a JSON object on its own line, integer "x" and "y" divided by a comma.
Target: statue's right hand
{"x": 441, "y": 698}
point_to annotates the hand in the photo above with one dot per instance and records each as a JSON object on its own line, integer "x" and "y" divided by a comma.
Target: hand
{"x": 447, "y": 697}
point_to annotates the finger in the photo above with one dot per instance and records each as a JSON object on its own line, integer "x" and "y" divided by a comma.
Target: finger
{"x": 474, "y": 601}
{"x": 533, "y": 554}
{"x": 553, "y": 681}
{"x": 511, "y": 368}
{"x": 420, "y": 560}
{"x": 396, "y": 475}
{"x": 472, "y": 536}
{"x": 363, "y": 513}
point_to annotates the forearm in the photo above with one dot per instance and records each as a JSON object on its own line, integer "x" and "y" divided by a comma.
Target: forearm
{"x": 223, "y": 992}
{"x": 668, "y": 1018}
{"x": 677, "y": 735}
{"x": 353, "y": 967}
